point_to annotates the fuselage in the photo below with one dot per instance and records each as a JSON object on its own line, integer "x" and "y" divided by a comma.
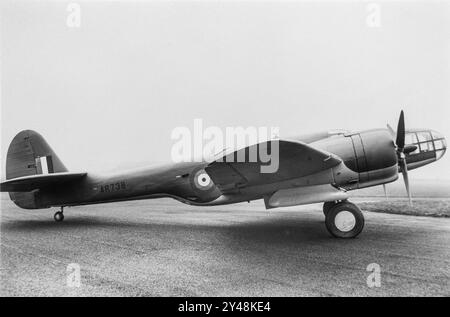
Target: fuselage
{"x": 368, "y": 159}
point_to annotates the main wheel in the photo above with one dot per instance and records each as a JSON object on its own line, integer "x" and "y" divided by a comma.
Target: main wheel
{"x": 327, "y": 206}
{"x": 344, "y": 220}
{"x": 59, "y": 216}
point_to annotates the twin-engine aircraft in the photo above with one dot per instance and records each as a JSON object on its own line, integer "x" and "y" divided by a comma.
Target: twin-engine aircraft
{"x": 312, "y": 169}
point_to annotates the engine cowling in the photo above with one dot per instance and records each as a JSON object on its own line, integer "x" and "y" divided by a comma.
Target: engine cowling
{"x": 369, "y": 158}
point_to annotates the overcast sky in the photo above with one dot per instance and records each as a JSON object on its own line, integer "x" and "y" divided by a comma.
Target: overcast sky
{"x": 110, "y": 92}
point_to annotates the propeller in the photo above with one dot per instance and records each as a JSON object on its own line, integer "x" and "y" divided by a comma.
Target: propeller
{"x": 400, "y": 147}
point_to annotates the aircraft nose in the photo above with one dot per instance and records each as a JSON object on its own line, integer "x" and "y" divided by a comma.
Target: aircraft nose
{"x": 440, "y": 144}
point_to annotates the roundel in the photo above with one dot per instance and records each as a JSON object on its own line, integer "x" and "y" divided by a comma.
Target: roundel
{"x": 202, "y": 180}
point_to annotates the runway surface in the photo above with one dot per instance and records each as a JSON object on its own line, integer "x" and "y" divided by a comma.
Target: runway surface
{"x": 165, "y": 248}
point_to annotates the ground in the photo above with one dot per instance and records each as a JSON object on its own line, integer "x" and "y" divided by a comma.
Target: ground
{"x": 165, "y": 248}
{"x": 420, "y": 207}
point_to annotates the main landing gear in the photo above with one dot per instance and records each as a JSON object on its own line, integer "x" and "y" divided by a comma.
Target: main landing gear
{"x": 59, "y": 215}
{"x": 343, "y": 219}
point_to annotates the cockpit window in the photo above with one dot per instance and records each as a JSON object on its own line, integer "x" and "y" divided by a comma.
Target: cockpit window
{"x": 426, "y": 146}
{"x": 436, "y": 135}
{"x": 439, "y": 144}
{"x": 424, "y": 136}
{"x": 425, "y": 141}
{"x": 410, "y": 138}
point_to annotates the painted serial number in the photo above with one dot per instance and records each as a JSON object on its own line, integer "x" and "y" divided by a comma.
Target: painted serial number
{"x": 113, "y": 187}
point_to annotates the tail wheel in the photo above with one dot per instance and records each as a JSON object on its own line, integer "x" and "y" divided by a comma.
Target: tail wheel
{"x": 344, "y": 220}
{"x": 59, "y": 216}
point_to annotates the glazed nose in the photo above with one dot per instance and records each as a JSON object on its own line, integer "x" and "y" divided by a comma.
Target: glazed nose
{"x": 440, "y": 144}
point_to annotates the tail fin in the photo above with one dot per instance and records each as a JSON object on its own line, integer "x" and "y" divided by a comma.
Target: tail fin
{"x": 29, "y": 154}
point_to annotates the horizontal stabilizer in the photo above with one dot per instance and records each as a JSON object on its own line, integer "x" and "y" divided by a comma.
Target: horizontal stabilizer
{"x": 29, "y": 183}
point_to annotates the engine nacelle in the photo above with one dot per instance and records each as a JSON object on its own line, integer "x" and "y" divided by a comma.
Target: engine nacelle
{"x": 369, "y": 158}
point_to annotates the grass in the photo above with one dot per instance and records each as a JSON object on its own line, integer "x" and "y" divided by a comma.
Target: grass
{"x": 421, "y": 207}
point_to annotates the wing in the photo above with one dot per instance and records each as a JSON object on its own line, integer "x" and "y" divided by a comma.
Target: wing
{"x": 29, "y": 183}
{"x": 295, "y": 159}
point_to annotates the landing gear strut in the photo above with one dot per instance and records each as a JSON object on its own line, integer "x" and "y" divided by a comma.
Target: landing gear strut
{"x": 59, "y": 215}
{"x": 343, "y": 219}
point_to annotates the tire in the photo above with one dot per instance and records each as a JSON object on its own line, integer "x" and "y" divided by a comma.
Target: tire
{"x": 59, "y": 216}
{"x": 344, "y": 220}
{"x": 327, "y": 206}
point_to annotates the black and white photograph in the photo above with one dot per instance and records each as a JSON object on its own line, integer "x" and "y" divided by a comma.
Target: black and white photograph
{"x": 225, "y": 154}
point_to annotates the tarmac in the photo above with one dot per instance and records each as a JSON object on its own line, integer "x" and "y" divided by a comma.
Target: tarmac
{"x": 165, "y": 248}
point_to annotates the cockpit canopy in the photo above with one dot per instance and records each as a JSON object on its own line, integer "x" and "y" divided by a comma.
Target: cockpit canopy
{"x": 429, "y": 147}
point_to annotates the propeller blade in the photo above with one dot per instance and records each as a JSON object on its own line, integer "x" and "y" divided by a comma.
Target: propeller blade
{"x": 391, "y": 131}
{"x": 400, "y": 141}
{"x": 409, "y": 149}
{"x": 404, "y": 169}
{"x": 385, "y": 191}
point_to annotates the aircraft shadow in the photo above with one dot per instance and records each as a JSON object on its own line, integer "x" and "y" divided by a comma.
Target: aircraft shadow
{"x": 276, "y": 229}
{"x": 270, "y": 230}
